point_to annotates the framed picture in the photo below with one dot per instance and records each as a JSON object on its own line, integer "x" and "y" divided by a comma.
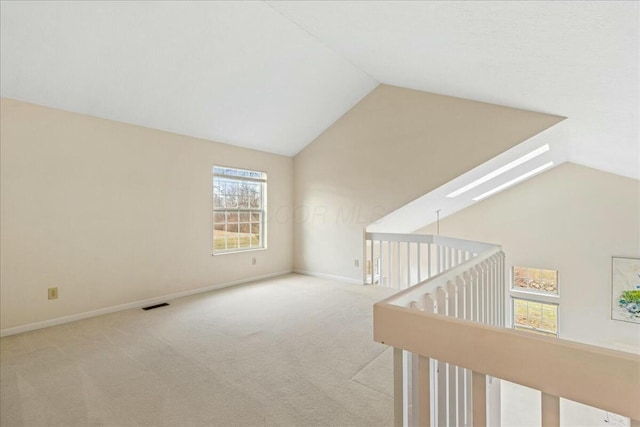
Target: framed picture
{"x": 625, "y": 289}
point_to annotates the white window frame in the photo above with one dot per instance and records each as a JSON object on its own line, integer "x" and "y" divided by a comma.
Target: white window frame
{"x": 543, "y": 297}
{"x": 261, "y": 178}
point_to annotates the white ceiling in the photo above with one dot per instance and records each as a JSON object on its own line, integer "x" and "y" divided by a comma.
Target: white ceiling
{"x": 235, "y": 72}
{"x": 273, "y": 75}
{"x": 574, "y": 59}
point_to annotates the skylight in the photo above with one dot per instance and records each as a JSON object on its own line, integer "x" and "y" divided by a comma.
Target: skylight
{"x": 501, "y": 170}
{"x": 513, "y": 181}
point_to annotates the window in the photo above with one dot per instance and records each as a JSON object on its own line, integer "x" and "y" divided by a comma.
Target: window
{"x": 535, "y": 316}
{"x": 239, "y": 211}
{"x": 535, "y": 280}
{"x": 535, "y": 298}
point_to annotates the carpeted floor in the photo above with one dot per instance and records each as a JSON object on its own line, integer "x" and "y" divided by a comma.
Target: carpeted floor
{"x": 290, "y": 351}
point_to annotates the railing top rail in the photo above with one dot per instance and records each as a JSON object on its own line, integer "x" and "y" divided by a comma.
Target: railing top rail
{"x": 595, "y": 376}
{"x": 467, "y": 245}
{"x": 417, "y": 291}
{"x": 450, "y": 242}
{"x": 400, "y": 237}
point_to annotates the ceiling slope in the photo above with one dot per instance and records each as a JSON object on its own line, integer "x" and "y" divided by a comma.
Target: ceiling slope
{"x": 577, "y": 59}
{"x": 274, "y": 75}
{"x": 234, "y": 72}
{"x": 497, "y": 174}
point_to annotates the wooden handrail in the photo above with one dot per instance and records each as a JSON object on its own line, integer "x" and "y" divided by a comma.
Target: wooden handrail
{"x": 595, "y": 376}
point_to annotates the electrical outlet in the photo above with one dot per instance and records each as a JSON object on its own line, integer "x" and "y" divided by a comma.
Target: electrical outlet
{"x": 52, "y": 293}
{"x": 254, "y": 261}
{"x": 356, "y": 263}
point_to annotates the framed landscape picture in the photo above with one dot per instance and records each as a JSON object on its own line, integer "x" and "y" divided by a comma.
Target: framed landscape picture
{"x": 625, "y": 289}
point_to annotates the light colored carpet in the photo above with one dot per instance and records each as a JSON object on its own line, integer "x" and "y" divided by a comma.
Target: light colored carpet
{"x": 291, "y": 351}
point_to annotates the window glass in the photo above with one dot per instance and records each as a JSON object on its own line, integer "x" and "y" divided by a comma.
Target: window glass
{"x": 535, "y": 298}
{"x": 535, "y": 280}
{"x": 238, "y": 209}
{"x": 535, "y": 316}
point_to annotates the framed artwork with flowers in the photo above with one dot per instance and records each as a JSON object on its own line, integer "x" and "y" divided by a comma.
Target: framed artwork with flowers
{"x": 625, "y": 289}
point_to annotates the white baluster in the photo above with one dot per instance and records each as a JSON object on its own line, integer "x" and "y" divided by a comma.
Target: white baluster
{"x": 499, "y": 290}
{"x": 371, "y": 262}
{"x": 424, "y": 391}
{"x": 487, "y": 292}
{"x": 407, "y": 369}
{"x": 415, "y": 305}
{"x": 408, "y": 264}
{"x": 452, "y": 299}
{"x": 398, "y": 388}
{"x": 384, "y": 268}
{"x": 389, "y": 268}
{"x": 476, "y": 290}
{"x": 550, "y": 410}
{"x": 441, "y": 295}
{"x": 496, "y": 287}
{"x": 378, "y": 263}
{"x": 483, "y": 292}
{"x": 468, "y": 295}
{"x": 479, "y": 399}
{"x": 446, "y": 259}
{"x": 399, "y": 284}
{"x": 468, "y": 315}
{"x": 491, "y": 291}
{"x": 415, "y": 386}
{"x": 430, "y": 304}
{"x": 452, "y": 370}
{"x": 430, "y": 260}
{"x": 419, "y": 264}
{"x": 443, "y": 368}
{"x": 503, "y": 290}
{"x": 461, "y": 372}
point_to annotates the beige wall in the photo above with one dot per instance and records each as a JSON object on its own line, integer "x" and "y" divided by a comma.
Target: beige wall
{"x": 394, "y": 146}
{"x": 113, "y": 213}
{"x": 572, "y": 219}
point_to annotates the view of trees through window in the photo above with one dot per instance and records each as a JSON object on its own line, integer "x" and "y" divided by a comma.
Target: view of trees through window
{"x": 535, "y": 279}
{"x": 238, "y": 209}
{"x": 535, "y": 316}
{"x": 535, "y": 300}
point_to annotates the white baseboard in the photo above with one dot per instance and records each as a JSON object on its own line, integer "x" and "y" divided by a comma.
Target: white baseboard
{"x": 127, "y": 306}
{"x": 329, "y": 276}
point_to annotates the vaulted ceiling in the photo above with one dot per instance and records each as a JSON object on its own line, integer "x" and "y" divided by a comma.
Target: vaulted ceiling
{"x": 274, "y": 75}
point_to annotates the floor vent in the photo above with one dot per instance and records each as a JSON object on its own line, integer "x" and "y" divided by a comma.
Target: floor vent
{"x": 151, "y": 307}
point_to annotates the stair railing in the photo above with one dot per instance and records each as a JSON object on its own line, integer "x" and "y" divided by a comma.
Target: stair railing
{"x": 403, "y": 260}
{"x": 450, "y": 341}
